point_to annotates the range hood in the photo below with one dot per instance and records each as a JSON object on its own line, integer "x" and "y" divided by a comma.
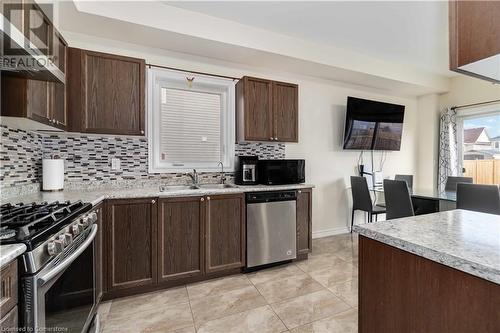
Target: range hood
{"x": 27, "y": 61}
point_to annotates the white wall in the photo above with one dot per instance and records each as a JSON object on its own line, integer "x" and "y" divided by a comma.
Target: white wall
{"x": 321, "y": 120}
{"x": 469, "y": 90}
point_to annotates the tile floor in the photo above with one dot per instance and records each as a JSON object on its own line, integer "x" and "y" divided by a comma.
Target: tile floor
{"x": 316, "y": 295}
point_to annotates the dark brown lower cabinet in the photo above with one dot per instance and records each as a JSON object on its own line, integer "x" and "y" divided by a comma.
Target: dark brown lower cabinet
{"x": 225, "y": 232}
{"x": 304, "y": 222}
{"x": 130, "y": 231}
{"x": 403, "y": 292}
{"x": 180, "y": 238}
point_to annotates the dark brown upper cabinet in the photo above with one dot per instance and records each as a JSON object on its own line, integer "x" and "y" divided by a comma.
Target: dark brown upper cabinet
{"x": 106, "y": 93}
{"x": 130, "y": 236}
{"x": 181, "y": 236}
{"x": 225, "y": 232}
{"x": 475, "y": 38}
{"x": 304, "y": 221}
{"x": 41, "y": 101}
{"x": 266, "y": 110}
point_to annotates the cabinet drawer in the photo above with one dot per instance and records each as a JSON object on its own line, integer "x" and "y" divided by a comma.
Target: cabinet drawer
{"x": 8, "y": 289}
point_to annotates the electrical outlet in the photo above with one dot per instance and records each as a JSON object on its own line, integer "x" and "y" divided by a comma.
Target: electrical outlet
{"x": 115, "y": 164}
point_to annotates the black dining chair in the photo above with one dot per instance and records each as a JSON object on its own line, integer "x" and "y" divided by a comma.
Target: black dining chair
{"x": 479, "y": 198}
{"x": 407, "y": 178}
{"x": 361, "y": 199}
{"x": 397, "y": 199}
{"x": 451, "y": 182}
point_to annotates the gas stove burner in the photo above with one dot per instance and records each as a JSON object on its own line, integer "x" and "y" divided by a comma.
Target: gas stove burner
{"x": 6, "y": 233}
{"x": 35, "y": 222}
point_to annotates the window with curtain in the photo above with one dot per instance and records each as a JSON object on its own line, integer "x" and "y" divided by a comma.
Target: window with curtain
{"x": 191, "y": 122}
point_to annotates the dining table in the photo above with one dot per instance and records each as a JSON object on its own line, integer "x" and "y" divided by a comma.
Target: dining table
{"x": 425, "y": 200}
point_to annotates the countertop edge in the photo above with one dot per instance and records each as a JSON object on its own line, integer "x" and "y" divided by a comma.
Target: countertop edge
{"x": 466, "y": 266}
{"x": 10, "y": 252}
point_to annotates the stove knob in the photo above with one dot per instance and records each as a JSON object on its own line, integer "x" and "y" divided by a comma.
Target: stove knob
{"x": 85, "y": 221}
{"x": 93, "y": 216}
{"x": 76, "y": 229}
{"x": 54, "y": 247}
{"x": 66, "y": 239}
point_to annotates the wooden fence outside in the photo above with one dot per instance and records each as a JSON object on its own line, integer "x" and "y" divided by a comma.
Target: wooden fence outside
{"x": 483, "y": 171}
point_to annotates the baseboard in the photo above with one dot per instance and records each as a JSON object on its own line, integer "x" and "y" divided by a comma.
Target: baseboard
{"x": 329, "y": 232}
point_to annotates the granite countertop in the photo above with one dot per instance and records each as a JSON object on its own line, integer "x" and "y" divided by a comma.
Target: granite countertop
{"x": 465, "y": 240}
{"x": 97, "y": 196}
{"x": 10, "y": 252}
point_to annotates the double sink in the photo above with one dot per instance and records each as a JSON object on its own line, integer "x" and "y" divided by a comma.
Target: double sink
{"x": 167, "y": 188}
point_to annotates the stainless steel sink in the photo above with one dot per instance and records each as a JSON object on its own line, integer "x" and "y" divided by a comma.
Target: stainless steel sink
{"x": 215, "y": 186}
{"x": 166, "y": 188}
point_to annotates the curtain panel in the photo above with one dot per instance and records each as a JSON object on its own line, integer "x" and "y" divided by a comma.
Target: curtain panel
{"x": 448, "y": 162}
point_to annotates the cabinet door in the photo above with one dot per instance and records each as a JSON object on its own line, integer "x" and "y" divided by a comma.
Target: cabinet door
{"x": 37, "y": 100}
{"x": 258, "y": 109}
{"x": 304, "y": 221}
{"x": 57, "y": 99}
{"x": 98, "y": 250}
{"x": 225, "y": 232}
{"x": 474, "y": 31}
{"x": 180, "y": 232}
{"x": 9, "y": 323}
{"x": 9, "y": 284}
{"x": 113, "y": 96}
{"x": 285, "y": 112}
{"x": 130, "y": 234}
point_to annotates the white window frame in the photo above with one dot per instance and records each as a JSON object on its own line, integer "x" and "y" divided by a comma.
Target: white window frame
{"x": 470, "y": 113}
{"x": 158, "y": 78}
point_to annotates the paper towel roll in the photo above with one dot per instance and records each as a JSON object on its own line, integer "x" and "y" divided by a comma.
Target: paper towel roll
{"x": 53, "y": 174}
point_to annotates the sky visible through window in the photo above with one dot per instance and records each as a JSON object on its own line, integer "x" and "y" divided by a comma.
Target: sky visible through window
{"x": 491, "y": 123}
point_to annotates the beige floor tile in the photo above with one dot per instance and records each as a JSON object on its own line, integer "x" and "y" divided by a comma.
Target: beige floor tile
{"x": 279, "y": 290}
{"x": 347, "y": 291}
{"x": 348, "y": 254}
{"x": 275, "y": 273}
{"x": 167, "y": 318}
{"x": 218, "y": 306}
{"x": 149, "y": 301}
{"x": 308, "y": 308}
{"x": 332, "y": 275}
{"x": 259, "y": 320}
{"x": 345, "y": 322}
{"x": 103, "y": 310}
{"x": 318, "y": 262}
{"x": 217, "y": 286}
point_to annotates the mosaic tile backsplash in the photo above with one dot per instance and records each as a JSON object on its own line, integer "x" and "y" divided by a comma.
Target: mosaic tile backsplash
{"x": 88, "y": 158}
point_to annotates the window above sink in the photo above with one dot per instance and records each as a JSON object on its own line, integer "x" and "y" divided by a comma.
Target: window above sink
{"x": 190, "y": 121}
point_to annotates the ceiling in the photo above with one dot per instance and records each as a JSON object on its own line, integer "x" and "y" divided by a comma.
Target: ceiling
{"x": 413, "y": 33}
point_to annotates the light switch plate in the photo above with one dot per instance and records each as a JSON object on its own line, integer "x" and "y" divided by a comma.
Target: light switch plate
{"x": 115, "y": 164}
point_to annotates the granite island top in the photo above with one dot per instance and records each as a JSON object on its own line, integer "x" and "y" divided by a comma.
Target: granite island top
{"x": 10, "y": 252}
{"x": 465, "y": 240}
{"x": 97, "y": 196}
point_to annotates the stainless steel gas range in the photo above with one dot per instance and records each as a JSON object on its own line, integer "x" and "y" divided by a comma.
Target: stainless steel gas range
{"x": 58, "y": 283}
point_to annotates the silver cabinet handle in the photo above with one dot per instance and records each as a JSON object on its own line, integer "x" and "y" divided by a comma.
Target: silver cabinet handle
{"x": 208, "y": 198}
{"x": 153, "y": 201}
{"x": 202, "y": 199}
{"x": 299, "y": 191}
{"x": 271, "y": 138}
{"x": 142, "y": 132}
{"x": 275, "y": 138}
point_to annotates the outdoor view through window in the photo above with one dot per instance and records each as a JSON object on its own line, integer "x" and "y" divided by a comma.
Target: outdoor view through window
{"x": 481, "y": 149}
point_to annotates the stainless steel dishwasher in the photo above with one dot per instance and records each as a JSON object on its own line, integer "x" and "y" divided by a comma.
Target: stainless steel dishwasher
{"x": 271, "y": 227}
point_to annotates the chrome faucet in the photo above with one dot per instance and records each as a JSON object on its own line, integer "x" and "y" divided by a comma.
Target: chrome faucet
{"x": 194, "y": 177}
{"x": 222, "y": 175}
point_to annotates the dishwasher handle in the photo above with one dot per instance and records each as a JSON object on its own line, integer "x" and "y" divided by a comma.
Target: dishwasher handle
{"x": 259, "y": 197}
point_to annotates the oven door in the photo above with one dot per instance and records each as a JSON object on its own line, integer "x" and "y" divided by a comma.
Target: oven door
{"x": 66, "y": 293}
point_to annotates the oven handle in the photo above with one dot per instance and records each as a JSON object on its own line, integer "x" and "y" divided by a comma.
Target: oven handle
{"x": 66, "y": 262}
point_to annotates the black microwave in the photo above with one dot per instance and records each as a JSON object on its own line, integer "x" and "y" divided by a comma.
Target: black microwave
{"x": 281, "y": 172}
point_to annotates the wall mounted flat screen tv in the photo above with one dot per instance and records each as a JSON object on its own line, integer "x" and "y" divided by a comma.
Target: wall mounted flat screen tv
{"x": 372, "y": 125}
